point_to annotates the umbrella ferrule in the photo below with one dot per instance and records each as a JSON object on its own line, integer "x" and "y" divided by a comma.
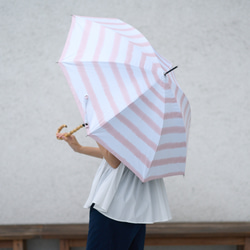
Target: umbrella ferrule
{"x": 170, "y": 70}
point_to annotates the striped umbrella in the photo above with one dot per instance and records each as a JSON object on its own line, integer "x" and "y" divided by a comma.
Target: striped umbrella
{"x": 130, "y": 105}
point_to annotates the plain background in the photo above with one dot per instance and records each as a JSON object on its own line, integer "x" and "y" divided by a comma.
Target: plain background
{"x": 43, "y": 181}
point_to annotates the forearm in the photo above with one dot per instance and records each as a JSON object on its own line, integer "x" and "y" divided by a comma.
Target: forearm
{"x": 99, "y": 152}
{"x": 74, "y": 144}
{"x": 91, "y": 151}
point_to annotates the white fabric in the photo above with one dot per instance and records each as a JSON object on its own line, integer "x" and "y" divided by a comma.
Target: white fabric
{"x": 120, "y": 195}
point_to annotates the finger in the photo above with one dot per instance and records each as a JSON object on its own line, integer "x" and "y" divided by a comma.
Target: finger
{"x": 67, "y": 137}
{"x": 60, "y": 135}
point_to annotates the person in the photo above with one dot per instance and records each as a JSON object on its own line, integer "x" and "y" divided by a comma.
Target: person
{"x": 120, "y": 204}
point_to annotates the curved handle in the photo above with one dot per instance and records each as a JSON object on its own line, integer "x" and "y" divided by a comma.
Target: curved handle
{"x": 76, "y": 129}
{"x": 71, "y": 132}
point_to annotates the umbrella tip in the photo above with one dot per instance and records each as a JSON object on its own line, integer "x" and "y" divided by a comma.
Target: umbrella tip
{"x": 170, "y": 70}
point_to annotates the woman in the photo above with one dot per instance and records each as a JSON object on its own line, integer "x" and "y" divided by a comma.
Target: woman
{"x": 120, "y": 204}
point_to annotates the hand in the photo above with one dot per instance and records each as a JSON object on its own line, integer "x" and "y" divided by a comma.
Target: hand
{"x": 71, "y": 140}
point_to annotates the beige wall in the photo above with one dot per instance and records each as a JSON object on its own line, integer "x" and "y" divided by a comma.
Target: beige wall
{"x": 43, "y": 181}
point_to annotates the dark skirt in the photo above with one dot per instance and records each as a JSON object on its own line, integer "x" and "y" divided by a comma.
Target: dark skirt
{"x": 107, "y": 234}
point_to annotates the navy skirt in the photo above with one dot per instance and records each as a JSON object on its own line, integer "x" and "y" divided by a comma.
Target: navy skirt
{"x": 107, "y": 234}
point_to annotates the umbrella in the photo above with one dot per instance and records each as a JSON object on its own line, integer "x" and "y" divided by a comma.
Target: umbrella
{"x": 127, "y": 95}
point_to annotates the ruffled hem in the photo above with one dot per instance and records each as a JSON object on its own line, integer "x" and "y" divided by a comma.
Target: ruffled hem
{"x": 147, "y": 221}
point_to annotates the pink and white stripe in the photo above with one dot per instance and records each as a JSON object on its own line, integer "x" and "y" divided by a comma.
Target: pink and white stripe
{"x": 137, "y": 113}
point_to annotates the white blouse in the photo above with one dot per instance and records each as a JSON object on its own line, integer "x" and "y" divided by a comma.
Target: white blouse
{"x": 120, "y": 195}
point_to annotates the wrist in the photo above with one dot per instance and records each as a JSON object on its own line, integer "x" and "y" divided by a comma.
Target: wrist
{"x": 77, "y": 148}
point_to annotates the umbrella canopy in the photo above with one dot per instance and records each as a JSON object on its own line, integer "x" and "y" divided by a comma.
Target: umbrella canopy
{"x": 135, "y": 110}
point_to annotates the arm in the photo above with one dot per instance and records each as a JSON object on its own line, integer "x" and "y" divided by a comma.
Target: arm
{"x": 99, "y": 152}
{"x": 77, "y": 147}
{"x": 110, "y": 158}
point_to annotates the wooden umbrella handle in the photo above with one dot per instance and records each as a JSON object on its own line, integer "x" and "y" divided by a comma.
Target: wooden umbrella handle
{"x": 74, "y": 130}
{"x": 71, "y": 132}
{"x": 61, "y": 127}
{"x": 59, "y": 130}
